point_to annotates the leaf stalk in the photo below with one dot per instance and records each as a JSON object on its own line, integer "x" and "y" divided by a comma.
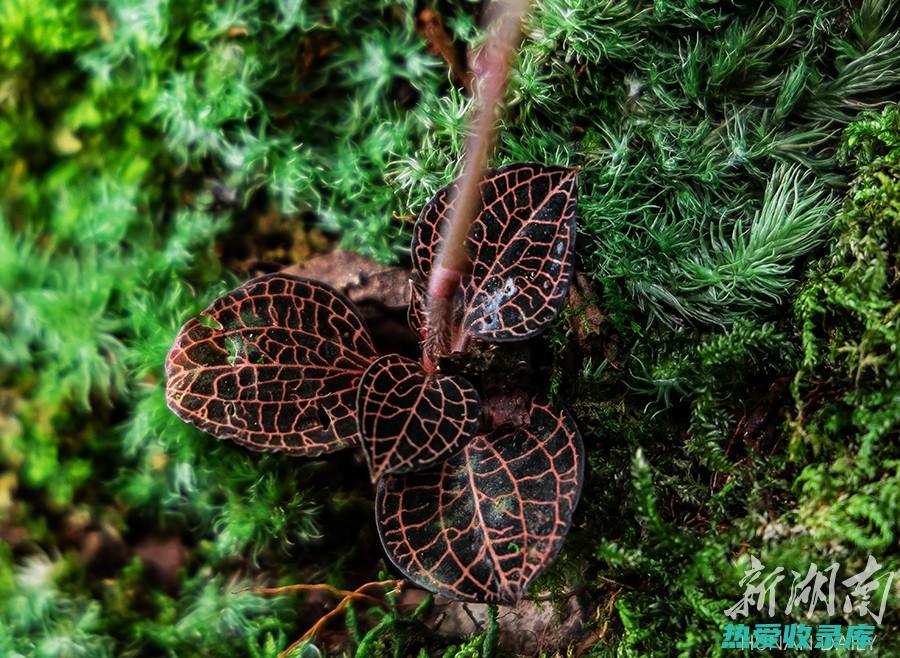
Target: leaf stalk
{"x": 491, "y": 72}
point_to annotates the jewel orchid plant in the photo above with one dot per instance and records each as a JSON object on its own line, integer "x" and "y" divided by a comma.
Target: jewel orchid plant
{"x": 474, "y": 496}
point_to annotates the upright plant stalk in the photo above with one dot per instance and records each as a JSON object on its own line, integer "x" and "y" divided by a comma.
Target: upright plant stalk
{"x": 504, "y": 19}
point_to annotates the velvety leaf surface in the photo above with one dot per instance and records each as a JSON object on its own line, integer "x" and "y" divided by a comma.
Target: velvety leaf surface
{"x": 408, "y": 419}
{"x": 273, "y": 365}
{"x": 520, "y": 245}
{"x": 482, "y": 525}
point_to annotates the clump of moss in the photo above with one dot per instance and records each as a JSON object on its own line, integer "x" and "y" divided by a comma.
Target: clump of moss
{"x": 849, "y": 312}
{"x": 776, "y": 439}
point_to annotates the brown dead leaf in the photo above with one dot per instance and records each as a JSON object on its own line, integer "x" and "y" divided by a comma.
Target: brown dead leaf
{"x": 363, "y": 280}
{"x": 588, "y": 318}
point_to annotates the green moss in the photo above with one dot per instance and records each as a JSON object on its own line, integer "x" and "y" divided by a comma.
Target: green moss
{"x": 738, "y": 212}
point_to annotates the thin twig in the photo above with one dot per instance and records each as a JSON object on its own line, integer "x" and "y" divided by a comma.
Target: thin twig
{"x": 432, "y": 27}
{"x": 609, "y": 608}
{"x": 315, "y": 587}
{"x": 349, "y": 596}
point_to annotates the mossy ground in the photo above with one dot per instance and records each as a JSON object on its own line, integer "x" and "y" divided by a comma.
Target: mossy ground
{"x": 739, "y": 213}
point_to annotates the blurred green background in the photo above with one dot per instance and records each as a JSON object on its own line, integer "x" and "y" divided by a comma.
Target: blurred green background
{"x": 739, "y": 216}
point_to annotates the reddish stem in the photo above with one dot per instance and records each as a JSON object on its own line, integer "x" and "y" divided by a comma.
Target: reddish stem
{"x": 452, "y": 263}
{"x": 358, "y": 593}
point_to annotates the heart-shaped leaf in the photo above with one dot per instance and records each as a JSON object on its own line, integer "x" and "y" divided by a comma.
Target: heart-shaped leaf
{"x": 273, "y": 365}
{"x": 409, "y": 419}
{"x": 483, "y": 525}
{"x": 520, "y": 246}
